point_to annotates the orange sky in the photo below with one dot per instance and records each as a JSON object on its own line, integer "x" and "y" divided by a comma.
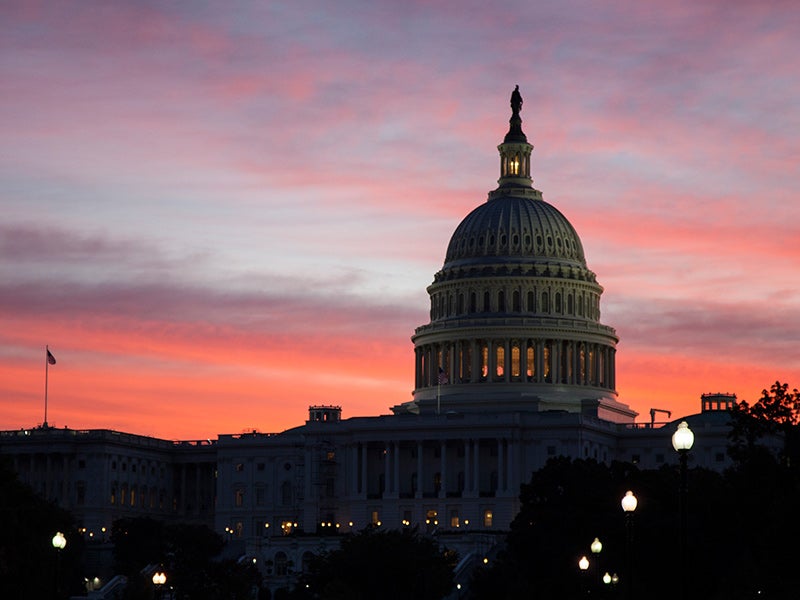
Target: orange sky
{"x": 216, "y": 220}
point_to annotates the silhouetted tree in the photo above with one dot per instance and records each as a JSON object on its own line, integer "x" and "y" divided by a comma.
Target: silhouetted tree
{"x": 28, "y": 560}
{"x": 380, "y": 565}
{"x": 777, "y": 412}
{"x": 570, "y": 502}
{"x": 188, "y": 554}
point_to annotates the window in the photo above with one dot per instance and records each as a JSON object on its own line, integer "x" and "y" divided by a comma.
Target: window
{"x": 437, "y": 482}
{"x": 375, "y": 518}
{"x": 80, "y": 490}
{"x": 261, "y": 496}
{"x": 500, "y": 359}
{"x": 515, "y": 359}
{"x": 487, "y": 518}
{"x": 287, "y": 527}
{"x": 113, "y": 498}
{"x": 280, "y": 564}
{"x": 239, "y": 467}
{"x": 454, "y": 520}
{"x": 260, "y": 466}
{"x": 286, "y": 493}
{"x": 81, "y": 464}
{"x": 238, "y": 497}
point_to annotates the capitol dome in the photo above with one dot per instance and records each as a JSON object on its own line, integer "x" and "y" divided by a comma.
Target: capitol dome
{"x": 515, "y": 311}
{"x": 515, "y": 230}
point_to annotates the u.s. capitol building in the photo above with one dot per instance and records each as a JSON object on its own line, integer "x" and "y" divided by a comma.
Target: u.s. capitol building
{"x": 514, "y": 367}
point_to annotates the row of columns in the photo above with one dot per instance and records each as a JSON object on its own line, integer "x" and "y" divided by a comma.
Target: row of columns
{"x": 536, "y": 361}
{"x": 398, "y": 472}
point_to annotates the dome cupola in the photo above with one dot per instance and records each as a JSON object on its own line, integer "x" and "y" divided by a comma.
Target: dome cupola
{"x": 515, "y": 311}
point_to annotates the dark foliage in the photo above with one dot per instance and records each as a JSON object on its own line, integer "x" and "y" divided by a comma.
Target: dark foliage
{"x": 28, "y": 561}
{"x": 380, "y": 565}
{"x": 740, "y": 524}
{"x": 188, "y": 555}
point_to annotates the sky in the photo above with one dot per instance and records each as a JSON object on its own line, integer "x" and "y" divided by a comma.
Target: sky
{"x": 219, "y": 213}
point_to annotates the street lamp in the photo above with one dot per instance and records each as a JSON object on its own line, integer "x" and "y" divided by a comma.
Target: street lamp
{"x": 583, "y": 565}
{"x": 159, "y": 579}
{"x": 59, "y": 543}
{"x": 682, "y": 441}
{"x": 597, "y": 547}
{"x": 629, "y": 504}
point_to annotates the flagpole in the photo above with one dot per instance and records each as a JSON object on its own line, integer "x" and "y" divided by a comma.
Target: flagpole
{"x": 46, "y": 371}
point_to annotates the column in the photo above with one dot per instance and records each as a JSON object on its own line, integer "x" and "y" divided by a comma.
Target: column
{"x": 387, "y": 469}
{"x": 443, "y": 468}
{"x": 364, "y": 469}
{"x": 500, "y": 464}
{"x": 467, "y": 474}
{"x": 396, "y": 475}
{"x": 420, "y": 479}
{"x": 476, "y": 474}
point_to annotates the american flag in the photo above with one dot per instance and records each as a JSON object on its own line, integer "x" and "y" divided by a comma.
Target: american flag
{"x": 442, "y": 376}
{"x": 50, "y": 358}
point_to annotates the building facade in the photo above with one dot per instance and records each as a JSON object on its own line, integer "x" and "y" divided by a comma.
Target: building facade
{"x": 514, "y": 367}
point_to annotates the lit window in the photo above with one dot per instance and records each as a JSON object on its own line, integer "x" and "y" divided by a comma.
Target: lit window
{"x": 487, "y": 518}
{"x": 515, "y": 360}
{"x": 454, "y": 520}
{"x": 238, "y": 497}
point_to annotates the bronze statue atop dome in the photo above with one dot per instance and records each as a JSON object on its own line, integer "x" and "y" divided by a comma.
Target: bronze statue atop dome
{"x": 516, "y": 100}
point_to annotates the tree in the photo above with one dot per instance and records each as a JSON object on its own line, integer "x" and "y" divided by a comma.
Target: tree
{"x": 385, "y": 565}
{"x": 775, "y": 414}
{"x": 188, "y": 554}
{"x": 28, "y": 561}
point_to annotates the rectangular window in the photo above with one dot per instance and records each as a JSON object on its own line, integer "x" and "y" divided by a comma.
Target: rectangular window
{"x": 261, "y": 496}
{"x": 238, "y": 497}
{"x": 239, "y": 467}
{"x": 374, "y": 518}
{"x": 488, "y": 516}
{"x": 455, "y": 522}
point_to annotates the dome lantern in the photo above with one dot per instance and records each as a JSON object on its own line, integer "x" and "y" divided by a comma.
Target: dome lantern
{"x": 515, "y": 151}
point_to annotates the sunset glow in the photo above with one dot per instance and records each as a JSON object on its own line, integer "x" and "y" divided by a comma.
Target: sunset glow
{"x": 216, "y": 217}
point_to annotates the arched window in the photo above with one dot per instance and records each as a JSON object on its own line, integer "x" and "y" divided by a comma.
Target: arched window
{"x": 515, "y": 366}
{"x": 487, "y": 302}
{"x": 545, "y": 303}
{"x": 546, "y": 362}
{"x": 530, "y": 360}
{"x": 531, "y": 305}
{"x": 558, "y": 302}
{"x": 501, "y": 301}
{"x": 473, "y": 302}
{"x": 500, "y": 359}
{"x": 515, "y": 301}
{"x": 570, "y": 307}
{"x": 484, "y": 360}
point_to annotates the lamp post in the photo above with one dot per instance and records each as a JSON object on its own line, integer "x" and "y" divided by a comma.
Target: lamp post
{"x": 159, "y": 579}
{"x": 583, "y": 565}
{"x": 682, "y": 441}
{"x": 59, "y": 543}
{"x": 629, "y": 503}
{"x": 597, "y": 548}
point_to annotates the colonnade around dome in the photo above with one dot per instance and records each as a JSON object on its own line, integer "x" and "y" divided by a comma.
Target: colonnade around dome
{"x": 515, "y": 360}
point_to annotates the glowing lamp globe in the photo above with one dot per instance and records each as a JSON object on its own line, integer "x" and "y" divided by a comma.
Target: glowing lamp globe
{"x": 683, "y": 438}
